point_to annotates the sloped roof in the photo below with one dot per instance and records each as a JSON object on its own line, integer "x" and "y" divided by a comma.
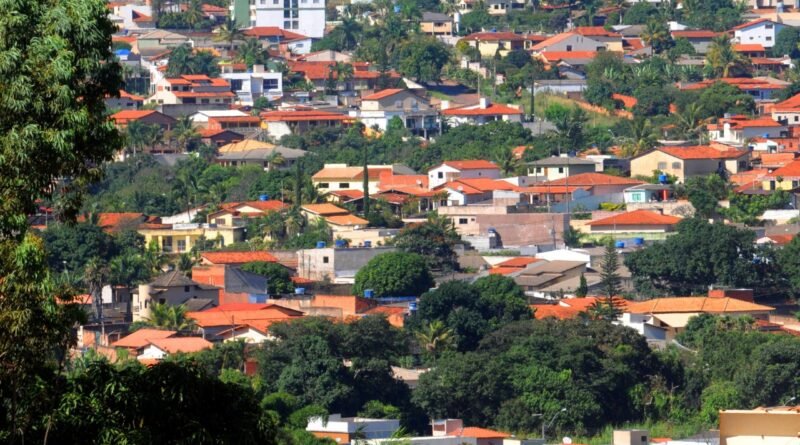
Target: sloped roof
{"x": 325, "y": 209}
{"x": 479, "y": 433}
{"x": 350, "y": 173}
{"x": 592, "y": 31}
{"x": 490, "y": 110}
{"x": 790, "y": 170}
{"x": 695, "y": 304}
{"x": 477, "y": 164}
{"x": 238, "y": 257}
{"x": 592, "y": 179}
{"x": 552, "y": 40}
{"x": 637, "y": 218}
{"x": 142, "y": 337}
{"x": 748, "y": 47}
{"x": 555, "y": 56}
{"x": 240, "y": 281}
{"x": 383, "y": 94}
{"x": 302, "y": 115}
{"x": 493, "y": 36}
{"x": 173, "y": 345}
{"x": 753, "y": 23}
{"x": 474, "y": 186}
{"x": 245, "y": 145}
{"x": 273, "y": 31}
{"x": 701, "y": 152}
{"x": 270, "y": 205}
{"x": 172, "y": 279}
{"x": 694, "y": 34}
{"x": 211, "y": 318}
{"x": 346, "y": 220}
{"x": 520, "y": 261}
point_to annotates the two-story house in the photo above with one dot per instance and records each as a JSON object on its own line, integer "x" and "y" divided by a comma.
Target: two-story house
{"x": 738, "y": 130}
{"x": 415, "y": 112}
{"x": 281, "y": 123}
{"x": 190, "y": 93}
{"x": 249, "y": 86}
{"x": 482, "y": 112}
{"x": 335, "y": 177}
{"x": 280, "y": 40}
{"x": 569, "y": 42}
{"x": 490, "y": 43}
{"x": 452, "y": 170}
{"x": 763, "y": 31}
{"x": 699, "y": 38}
{"x": 685, "y": 162}
{"x": 557, "y": 167}
{"x": 436, "y": 24}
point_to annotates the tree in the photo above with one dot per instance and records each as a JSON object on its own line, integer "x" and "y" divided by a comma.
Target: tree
{"x": 681, "y": 47}
{"x": 583, "y": 288}
{"x": 435, "y": 338}
{"x": 433, "y": 239}
{"x": 168, "y": 317}
{"x": 656, "y": 35}
{"x": 194, "y": 13}
{"x": 705, "y": 192}
{"x": 609, "y": 273}
{"x": 569, "y": 125}
{"x": 786, "y": 43}
{"x": 252, "y": 53}
{"x": 186, "y": 60}
{"x": 394, "y": 274}
{"x": 789, "y": 264}
{"x": 639, "y": 14}
{"x": 422, "y": 58}
{"x": 723, "y": 60}
{"x": 229, "y": 31}
{"x": 642, "y": 137}
{"x": 278, "y": 278}
{"x": 721, "y": 98}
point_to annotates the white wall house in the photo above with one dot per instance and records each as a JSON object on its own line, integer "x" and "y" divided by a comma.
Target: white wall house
{"x": 252, "y": 85}
{"x": 452, "y": 170}
{"x": 761, "y": 31}
{"x": 306, "y": 17}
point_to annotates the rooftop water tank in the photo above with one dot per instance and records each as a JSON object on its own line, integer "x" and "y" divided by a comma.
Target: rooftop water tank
{"x": 263, "y": 197}
{"x": 619, "y": 244}
{"x": 340, "y": 244}
{"x": 368, "y": 293}
{"x": 367, "y": 243}
{"x": 299, "y": 291}
{"x": 638, "y": 241}
{"x": 663, "y": 179}
{"x": 321, "y": 244}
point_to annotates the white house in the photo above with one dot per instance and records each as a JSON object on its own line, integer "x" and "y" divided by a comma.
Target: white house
{"x": 737, "y": 130}
{"x": 452, "y": 170}
{"x": 306, "y": 17}
{"x": 480, "y": 113}
{"x": 557, "y": 167}
{"x": 763, "y": 31}
{"x": 416, "y": 113}
{"x": 251, "y": 85}
{"x": 158, "y": 348}
{"x": 346, "y": 429}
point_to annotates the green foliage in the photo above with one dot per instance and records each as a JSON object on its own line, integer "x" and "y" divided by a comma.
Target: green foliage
{"x": 279, "y": 279}
{"x": 394, "y": 274}
{"x": 717, "y": 15}
{"x": 699, "y": 255}
{"x": 610, "y": 280}
{"x": 168, "y": 317}
{"x": 704, "y": 192}
{"x": 721, "y": 98}
{"x": 789, "y": 264}
{"x": 682, "y": 47}
{"x": 748, "y": 209}
{"x": 583, "y": 288}
{"x": 639, "y": 14}
{"x": 422, "y": 58}
{"x": 786, "y": 43}
{"x": 434, "y": 240}
{"x": 185, "y": 60}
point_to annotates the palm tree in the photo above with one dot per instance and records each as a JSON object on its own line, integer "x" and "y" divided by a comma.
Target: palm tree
{"x": 169, "y": 317}
{"x": 185, "y": 263}
{"x": 252, "y": 53}
{"x": 229, "y": 31}
{"x": 179, "y": 61}
{"x": 135, "y": 135}
{"x": 94, "y": 276}
{"x": 184, "y": 132}
{"x": 508, "y": 163}
{"x": 642, "y": 137}
{"x": 275, "y": 160}
{"x": 194, "y": 13}
{"x": 344, "y": 73}
{"x": 656, "y": 35}
{"x": 722, "y": 59}
{"x": 435, "y": 338}
{"x": 347, "y": 34}
{"x": 689, "y": 122}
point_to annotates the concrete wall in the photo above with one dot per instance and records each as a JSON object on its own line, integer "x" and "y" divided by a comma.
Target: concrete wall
{"x": 756, "y": 424}
{"x": 328, "y": 263}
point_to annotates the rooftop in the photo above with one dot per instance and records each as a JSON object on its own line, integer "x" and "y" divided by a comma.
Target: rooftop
{"x": 238, "y": 257}
{"x": 695, "y": 304}
{"x": 637, "y": 218}
{"x": 173, "y": 345}
{"x": 140, "y": 338}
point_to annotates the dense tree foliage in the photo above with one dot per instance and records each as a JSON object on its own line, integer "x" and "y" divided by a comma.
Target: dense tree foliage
{"x": 394, "y": 274}
{"x": 434, "y": 240}
{"x": 279, "y": 279}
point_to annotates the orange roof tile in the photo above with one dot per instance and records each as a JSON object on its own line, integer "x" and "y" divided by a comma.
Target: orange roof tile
{"x": 597, "y": 31}
{"x": 478, "y": 164}
{"x": 350, "y": 173}
{"x": 140, "y": 338}
{"x": 274, "y": 309}
{"x": 480, "y": 433}
{"x": 304, "y": 115}
{"x": 637, "y": 218}
{"x": 748, "y": 47}
{"x": 790, "y": 104}
{"x": 271, "y": 205}
{"x": 552, "y": 40}
{"x": 701, "y": 152}
{"x": 273, "y": 31}
{"x": 474, "y": 186}
{"x": 494, "y": 36}
{"x": 777, "y": 159}
{"x": 788, "y": 171}
{"x": 126, "y": 95}
{"x": 781, "y": 240}
{"x": 325, "y": 209}
{"x": 383, "y": 94}
{"x": 520, "y": 261}
{"x": 131, "y": 115}
{"x": 346, "y": 220}
{"x": 238, "y": 257}
{"x": 211, "y": 318}
{"x": 491, "y": 110}
{"x": 503, "y": 270}
{"x": 695, "y": 304}
{"x": 173, "y": 345}
{"x": 752, "y": 23}
{"x": 555, "y": 56}
{"x": 592, "y": 179}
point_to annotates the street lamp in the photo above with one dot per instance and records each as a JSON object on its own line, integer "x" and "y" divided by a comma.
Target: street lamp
{"x": 791, "y": 399}
{"x": 549, "y": 424}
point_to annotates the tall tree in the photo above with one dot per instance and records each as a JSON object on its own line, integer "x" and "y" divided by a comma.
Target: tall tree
{"x": 54, "y": 135}
{"x": 229, "y": 32}
{"x": 609, "y": 273}
{"x": 722, "y": 60}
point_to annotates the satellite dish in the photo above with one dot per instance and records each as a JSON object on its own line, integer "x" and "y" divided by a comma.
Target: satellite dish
{"x": 566, "y": 441}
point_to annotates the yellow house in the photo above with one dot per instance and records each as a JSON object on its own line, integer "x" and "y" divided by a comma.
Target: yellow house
{"x": 685, "y": 162}
{"x": 491, "y": 43}
{"x": 784, "y": 178}
{"x": 779, "y": 425}
{"x": 181, "y": 238}
{"x": 436, "y": 24}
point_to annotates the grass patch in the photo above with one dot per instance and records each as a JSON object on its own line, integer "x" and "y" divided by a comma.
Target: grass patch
{"x": 543, "y": 100}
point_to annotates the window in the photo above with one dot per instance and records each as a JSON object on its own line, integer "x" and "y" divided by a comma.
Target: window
{"x": 569, "y": 47}
{"x": 662, "y": 165}
{"x": 324, "y": 185}
{"x": 161, "y": 301}
{"x": 236, "y": 84}
{"x": 462, "y": 220}
{"x": 270, "y": 84}
{"x": 398, "y": 104}
{"x": 316, "y": 2}
{"x": 768, "y": 26}
{"x": 769, "y": 38}
{"x": 440, "y": 175}
{"x": 561, "y": 169}
{"x": 166, "y": 244}
{"x": 325, "y": 260}
{"x": 287, "y": 24}
{"x": 344, "y": 185}
{"x": 538, "y": 169}
{"x": 186, "y": 288}
{"x": 181, "y": 245}
{"x": 676, "y": 165}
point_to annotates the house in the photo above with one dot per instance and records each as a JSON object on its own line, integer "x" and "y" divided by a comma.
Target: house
{"x": 306, "y": 18}
{"x": 569, "y": 308}
{"x": 273, "y": 158}
{"x": 349, "y": 430}
{"x": 236, "y": 285}
{"x": 339, "y": 265}
{"x": 761, "y": 88}
{"x": 335, "y": 177}
{"x": 436, "y": 24}
{"x": 148, "y": 117}
{"x": 338, "y": 219}
{"x": 159, "y": 348}
{"x": 761, "y": 425}
{"x": 415, "y": 112}
{"x": 750, "y": 50}
{"x": 236, "y": 258}
{"x": 246, "y": 321}
{"x": 638, "y": 223}
{"x": 738, "y": 130}
{"x": 250, "y": 86}
{"x": 172, "y": 288}
{"x": 567, "y": 42}
{"x": 685, "y": 162}
{"x": 464, "y": 191}
{"x": 787, "y": 111}
{"x": 125, "y": 101}
{"x": 180, "y": 238}
{"x": 140, "y": 338}
{"x": 157, "y": 42}
{"x": 234, "y": 120}
{"x": 280, "y": 40}
{"x": 320, "y": 74}
{"x": 480, "y": 113}
{"x": 113, "y": 222}
{"x": 543, "y": 274}
{"x": 762, "y": 31}
{"x": 502, "y": 7}
{"x": 648, "y": 193}
{"x": 599, "y": 186}
{"x": 452, "y": 170}
{"x": 699, "y": 38}
{"x": 235, "y": 214}
{"x": 191, "y": 93}
{"x": 557, "y": 167}
{"x": 784, "y": 178}
{"x": 490, "y": 44}
{"x": 281, "y": 123}
{"x": 611, "y": 39}
{"x": 567, "y": 61}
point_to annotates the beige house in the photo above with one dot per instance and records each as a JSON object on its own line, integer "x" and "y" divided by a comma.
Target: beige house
{"x": 558, "y": 167}
{"x": 235, "y": 214}
{"x": 638, "y": 223}
{"x": 569, "y": 42}
{"x": 436, "y": 24}
{"x": 172, "y": 288}
{"x": 334, "y": 177}
{"x": 490, "y": 44}
{"x": 415, "y": 112}
{"x": 760, "y": 426}
{"x": 180, "y": 238}
{"x": 685, "y": 162}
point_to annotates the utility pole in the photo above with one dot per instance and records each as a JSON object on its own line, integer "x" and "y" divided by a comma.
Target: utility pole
{"x": 298, "y": 194}
{"x": 366, "y": 183}
{"x": 533, "y": 81}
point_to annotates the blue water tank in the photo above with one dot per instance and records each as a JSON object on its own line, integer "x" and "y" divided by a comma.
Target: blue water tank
{"x": 122, "y": 52}
{"x": 367, "y": 243}
{"x": 638, "y": 241}
{"x": 256, "y": 299}
{"x": 412, "y": 307}
{"x": 299, "y": 291}
{"x": 619, "y": 244}
{"x": 321, "y": 244}
{"x": 663, "y": 179}
{"x": 340, "y": 244}
{"x": 368, "y": 293}
{"x": 396, "y": 9}
{"x": 263, "y": 197}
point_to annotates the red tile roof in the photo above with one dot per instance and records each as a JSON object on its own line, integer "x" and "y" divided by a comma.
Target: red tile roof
{"x": 695, "y": 304}
{"x": 753, "y": 23}
{"x": 476, "y": 186}
{"x": 271, "y": 205}
{"x": 592, "y": 179}
{"x": 141, "y": 338}
{"x": 273, "y": 31}
{"x": 595, "y": 31}
{"x": 788, "y": 171}
{"x": 211, "y": 318}
{"x": 325, "y": 209}
{"x": 302, "y": 115}
{"x": 694, "y": 34}
{"x": 494, "y": 36}
{"x": 174, "y": 345}
{"x": 555, "y": 56}
{"x": 491, "y": 110}
{"x": 238, "y": 257}
{"x": 749, "y": 47}
{"x": 637, "y": 218}
{"x": 480, "y": 433}
{"x": 202, "y": 94}
{"x": 520, "y": 261}
{"x": 346, "y": 220}
{"x": 780, "y": 240}
{"x": 274, "y": 309}
{"x": 478, "y": 164}
{"x": 701, "y": 152}
{"x": 126, "y": 95}
{"x": 125, "y": 116}
{"x": 552, "y": 40}
{"x": 383, "y": 94}
{"x": 790, "y": 104}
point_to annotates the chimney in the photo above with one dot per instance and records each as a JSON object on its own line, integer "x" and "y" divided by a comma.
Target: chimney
{"x": 258, "y": 68}
{"x": 484, "y": 103}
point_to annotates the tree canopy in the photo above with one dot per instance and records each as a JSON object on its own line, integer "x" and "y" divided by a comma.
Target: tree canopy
{"x": 394, "y": 274}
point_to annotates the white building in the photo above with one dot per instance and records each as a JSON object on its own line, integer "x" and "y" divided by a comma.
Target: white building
{"x": 761, "y": 31}
{"x": 346, "y": 429}
{"x": 451, "y": 170}
{"x": 306, "y": 17}
{"x": 251, "y": 85}
{"x": 480, "y": 113}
